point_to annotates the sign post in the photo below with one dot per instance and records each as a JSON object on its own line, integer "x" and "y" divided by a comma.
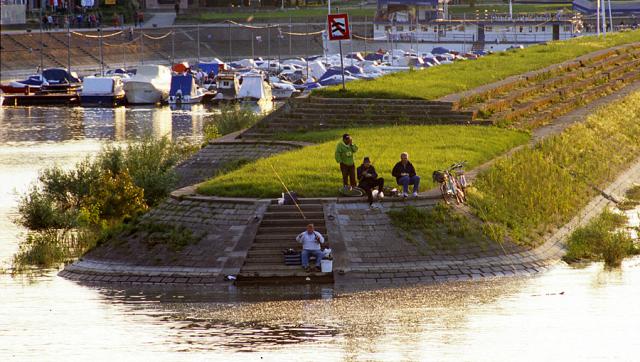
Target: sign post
{"x": 339, "y": 30}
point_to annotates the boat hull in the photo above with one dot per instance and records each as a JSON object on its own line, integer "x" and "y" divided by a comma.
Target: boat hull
{"x": 107, "y": 100}
{"x": 144, "y": 93}
{"x": 186, "y": 100}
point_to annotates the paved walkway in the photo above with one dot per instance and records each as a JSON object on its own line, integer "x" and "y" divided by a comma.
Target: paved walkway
{"x": 159, "y": 20}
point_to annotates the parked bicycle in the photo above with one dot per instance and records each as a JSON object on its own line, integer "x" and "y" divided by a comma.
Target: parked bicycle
{"x": 453, "y": 182}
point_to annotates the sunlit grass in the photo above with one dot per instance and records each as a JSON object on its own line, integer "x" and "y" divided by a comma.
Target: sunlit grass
{"x": 537, "y": 189}
{"x": 312, "y": 171}
{"x": 435, "y": 82}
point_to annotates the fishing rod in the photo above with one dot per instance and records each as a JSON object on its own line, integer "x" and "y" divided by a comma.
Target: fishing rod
{"x": 288, "y": 192}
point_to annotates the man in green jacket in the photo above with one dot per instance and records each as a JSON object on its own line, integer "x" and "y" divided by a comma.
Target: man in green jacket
{"x": 344, "y": 156}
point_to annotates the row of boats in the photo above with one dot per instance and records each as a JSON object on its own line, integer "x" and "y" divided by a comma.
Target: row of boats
{"x": 255, "y": 80}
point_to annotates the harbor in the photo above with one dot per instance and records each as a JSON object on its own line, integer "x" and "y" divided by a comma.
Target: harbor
{"x": 389, "y": 180}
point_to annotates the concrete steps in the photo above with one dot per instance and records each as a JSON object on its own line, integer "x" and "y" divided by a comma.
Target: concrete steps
{"x": 538, "y": 99}
{"x": 314, "y": 113}
{"x": 277, "y": 232}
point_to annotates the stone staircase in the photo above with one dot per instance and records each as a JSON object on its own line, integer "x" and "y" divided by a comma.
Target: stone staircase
{"x": 277, "y": 231}
{"x": 537, "y": 99}
{"x": 315, "y": 113}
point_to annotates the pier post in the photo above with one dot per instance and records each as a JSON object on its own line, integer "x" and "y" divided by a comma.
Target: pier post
{"x": 100, "y": 46}
{"x": 69, "y": 46}
{"x": 141, "y": 47}
{"x": 41, "y": 49}
{"x": 198, "y": 41}
{"x": 173, "y": 46}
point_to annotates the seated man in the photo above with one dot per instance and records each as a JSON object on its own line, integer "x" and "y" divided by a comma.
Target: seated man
{"x": 405, "y": 174}
{"x": 368, "y": 178}
{"x": 311, "y": 241}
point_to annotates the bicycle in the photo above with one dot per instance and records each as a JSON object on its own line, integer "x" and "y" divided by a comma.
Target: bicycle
{"x": 452, "y": 182}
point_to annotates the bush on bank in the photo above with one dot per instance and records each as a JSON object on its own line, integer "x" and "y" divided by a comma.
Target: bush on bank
{"x": 230, "y": 119}
{"x": 313, "y": 171}
{"x": 435, "y": 82}
{"x": 537, "y": 189}
{"x": 66, "y": 211}
{"x": 601, "y": 239}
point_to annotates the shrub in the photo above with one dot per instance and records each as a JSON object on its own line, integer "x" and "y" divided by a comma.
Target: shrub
{"x": 599, "y": 240}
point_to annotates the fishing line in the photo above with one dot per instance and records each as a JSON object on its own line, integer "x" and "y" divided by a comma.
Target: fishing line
{"x": 288, "y": 192}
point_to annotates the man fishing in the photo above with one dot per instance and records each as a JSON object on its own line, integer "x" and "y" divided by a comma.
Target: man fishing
{"x": 311, "y": 241}
{"x": 405, "y": 174}
{"x": 344, "y": 156}
{"x": 369, "y": 180}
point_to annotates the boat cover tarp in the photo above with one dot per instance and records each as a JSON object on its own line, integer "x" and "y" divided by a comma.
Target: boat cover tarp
{"x": 97, "y": 85}
{"x": 439, "y": 50}
{"x": 183, "y": 83}
{"x": 212, "y": 66}
{"x": 59, "y": 75}
{"x": 374, "y": 56}
{"x": 252, "y": 87}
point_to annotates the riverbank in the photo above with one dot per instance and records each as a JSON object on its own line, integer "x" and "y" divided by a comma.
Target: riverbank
{"x": 367, "y": 248}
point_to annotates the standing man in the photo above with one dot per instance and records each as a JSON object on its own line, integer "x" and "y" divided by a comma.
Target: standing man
{"x": 311, "y": 241}
{"x": 405, "y": 174}
{"x": 176, "y": 6}
{"x": 368, "y": 178}
{"x": 344, "y": 156}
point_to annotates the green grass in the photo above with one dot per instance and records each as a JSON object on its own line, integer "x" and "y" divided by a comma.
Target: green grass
{"x": 437, "y": 228}
{"x": 600, "y": 240}
{"x": 435, "y": 82}
{"x": 312, "y": 171}
{"x": 504, "y": 9}
{"x": 537, "y": 189}
{"x": 271, "y": 15}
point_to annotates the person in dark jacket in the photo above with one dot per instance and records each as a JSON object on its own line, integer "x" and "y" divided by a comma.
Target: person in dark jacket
{"x": 405, "y": 174}
{"x": 368, "y": 180}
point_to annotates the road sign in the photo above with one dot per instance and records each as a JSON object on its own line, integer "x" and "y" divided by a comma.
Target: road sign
{"x": 338, "y": 27}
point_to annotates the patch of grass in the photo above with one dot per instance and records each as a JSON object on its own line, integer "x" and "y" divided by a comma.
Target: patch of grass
{"x": 231, "y": 119}
{"x": 517, "y": 8}
{"x": 440, "y": 228}
{"x": 48, "y": 248}
{"x": 632, "y": 199}
{"x": 312, "y": 171}
{"x": 600, "y": 240}
{"x": 537, "y": 189}
{"x": 270, "y": 15}
{"x": 435, "y": 82}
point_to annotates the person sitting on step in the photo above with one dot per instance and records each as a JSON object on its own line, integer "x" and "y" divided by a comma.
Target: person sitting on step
{"x": 405, "y": 174}
{"x": 311, "y": 241}
{"x": 369, "y": 180}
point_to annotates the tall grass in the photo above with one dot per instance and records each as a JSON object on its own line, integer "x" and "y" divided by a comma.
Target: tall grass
{"x": 435, "y": 82}
{"x": 601, "y": 240}
{"x": 231, "y": 119}
{"x": 312, "y": 171}
{"x": 540, "y": 188}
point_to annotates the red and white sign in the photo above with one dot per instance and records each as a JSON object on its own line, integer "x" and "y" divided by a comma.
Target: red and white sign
{"x": 338, "y": 27}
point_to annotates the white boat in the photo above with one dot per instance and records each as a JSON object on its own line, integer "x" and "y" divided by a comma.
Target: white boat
{"x": 151, "y": 84}
{"x": 102, "y": 91}
{"x": 281, "y": 89}
{"x": 184, "y": 90}
{"x": 254, "y": 88}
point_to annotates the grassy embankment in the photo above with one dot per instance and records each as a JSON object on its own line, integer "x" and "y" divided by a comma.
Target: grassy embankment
{"x": 436, "y": 82}
{"x": 538, "y": 189}
{"x": 601, "y": 239}
{"x": 312, "y": 171}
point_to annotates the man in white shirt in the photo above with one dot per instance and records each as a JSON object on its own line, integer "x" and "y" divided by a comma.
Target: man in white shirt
{"x": 311, "y": 241}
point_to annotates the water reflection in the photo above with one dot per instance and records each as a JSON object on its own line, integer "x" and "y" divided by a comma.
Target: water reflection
{"x": 58, "y": 124}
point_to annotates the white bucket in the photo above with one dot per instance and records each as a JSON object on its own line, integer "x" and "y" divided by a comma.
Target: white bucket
{"x": 326, "y": 266}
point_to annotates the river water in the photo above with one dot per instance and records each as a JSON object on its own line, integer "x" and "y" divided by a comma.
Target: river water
{"x": 566, "y": 314}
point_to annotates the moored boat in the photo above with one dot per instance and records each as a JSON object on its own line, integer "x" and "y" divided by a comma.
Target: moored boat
{"x": 184, "y": 90}
{"x": 102, "y": 91}
{"x": 150, "y": 85}
{"x": 254, "y": 88}
{"x": 227, "y": 87}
